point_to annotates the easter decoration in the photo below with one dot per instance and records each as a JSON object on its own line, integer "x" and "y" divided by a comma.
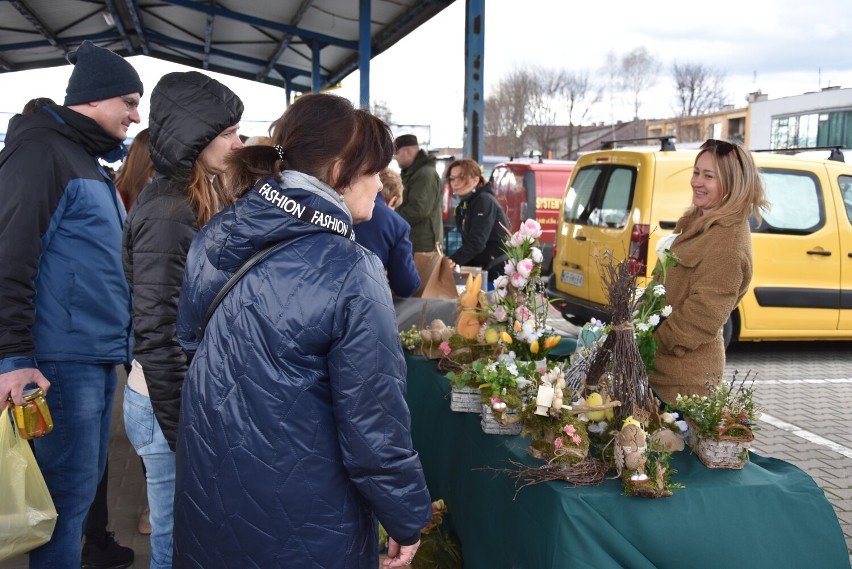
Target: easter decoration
{"x": 721, "y": 425}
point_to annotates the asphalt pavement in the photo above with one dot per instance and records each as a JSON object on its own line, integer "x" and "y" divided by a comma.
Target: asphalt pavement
{"x": 806, "y": 388}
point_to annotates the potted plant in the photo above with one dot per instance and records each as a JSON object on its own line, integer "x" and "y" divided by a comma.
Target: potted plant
{"x": 721, "y": 423}
{"x": 504, "y": 386}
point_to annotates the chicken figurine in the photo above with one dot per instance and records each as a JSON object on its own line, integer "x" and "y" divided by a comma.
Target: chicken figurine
{"x": 468, "y": 322}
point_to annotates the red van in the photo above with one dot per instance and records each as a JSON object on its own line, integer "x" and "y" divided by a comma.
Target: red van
{"x": 533, "y": 189}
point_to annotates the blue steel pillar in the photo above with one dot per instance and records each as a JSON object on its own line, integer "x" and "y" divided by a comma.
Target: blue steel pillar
{"x": 316, "y": 78}
{"x": 364, "y": 52}
{"x": 474, "y": 67}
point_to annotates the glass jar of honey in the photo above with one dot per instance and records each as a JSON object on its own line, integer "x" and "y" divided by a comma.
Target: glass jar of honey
{"x": 33, "y": 417}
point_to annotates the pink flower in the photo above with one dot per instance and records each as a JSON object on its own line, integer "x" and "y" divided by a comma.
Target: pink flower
{"x": 509, "y": 268}
{"x": 572, "y": 434}
{"x": 525, "y": 267}
{"x": 445, "y": 348}
{"x": 530, "y": 228}
{"x": 518, "y": 280}
{"x": 523, "y": 313}
{"x": 499, "y": 314}
{"x": 557, "y": 442}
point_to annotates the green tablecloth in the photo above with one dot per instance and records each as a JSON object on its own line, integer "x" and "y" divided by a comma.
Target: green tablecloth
{"x": 769, "y": 514}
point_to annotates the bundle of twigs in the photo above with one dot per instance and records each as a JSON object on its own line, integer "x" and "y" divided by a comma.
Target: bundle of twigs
{"x": 589, "y": 472}
{"x": 618, "y": 362}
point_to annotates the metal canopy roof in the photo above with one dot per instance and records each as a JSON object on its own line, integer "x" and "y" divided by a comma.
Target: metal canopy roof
{"x": 271, "y": 41}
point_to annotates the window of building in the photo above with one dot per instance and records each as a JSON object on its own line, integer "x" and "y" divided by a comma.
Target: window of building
{"x": 812, "y": 129}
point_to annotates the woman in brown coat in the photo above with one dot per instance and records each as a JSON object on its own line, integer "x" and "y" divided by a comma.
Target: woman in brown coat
{"x": 714, "y": 268}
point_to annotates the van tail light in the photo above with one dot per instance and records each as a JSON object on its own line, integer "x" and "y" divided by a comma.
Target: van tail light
{"x": 638, "y": 259}
{"x": 446, "y": 200}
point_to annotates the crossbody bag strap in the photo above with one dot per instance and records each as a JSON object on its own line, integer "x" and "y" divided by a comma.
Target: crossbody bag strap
{"x": 226, "y": 288}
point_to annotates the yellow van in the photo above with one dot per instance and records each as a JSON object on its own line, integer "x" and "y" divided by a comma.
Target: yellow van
{"x": 623, "y": 201}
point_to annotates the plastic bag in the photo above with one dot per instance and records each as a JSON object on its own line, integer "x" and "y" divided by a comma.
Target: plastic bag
{"x": 27, "y": 514}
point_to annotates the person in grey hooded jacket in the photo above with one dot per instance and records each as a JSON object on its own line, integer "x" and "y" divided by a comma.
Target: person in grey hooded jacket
{"x": 193, "y": 123}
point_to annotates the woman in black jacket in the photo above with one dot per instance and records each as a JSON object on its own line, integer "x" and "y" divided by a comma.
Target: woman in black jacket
{"x": 193, "y": 122}
{"x": 480, "y": 219}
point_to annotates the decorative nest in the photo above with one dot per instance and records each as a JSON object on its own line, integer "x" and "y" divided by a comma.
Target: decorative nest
{"x": 589, "y": 472}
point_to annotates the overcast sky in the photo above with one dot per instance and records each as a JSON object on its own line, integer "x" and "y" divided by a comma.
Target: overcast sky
{"x": 782, "y": 47}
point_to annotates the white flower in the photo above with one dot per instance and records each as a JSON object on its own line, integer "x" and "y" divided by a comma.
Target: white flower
{"x": 659, "y": 290}
{"x": 536, "y": 255}
{"x": 682, "y": 426}
{"x": 654, "y": 320}
{"x": 509, "y": 268}
{"x": 643, "y": 327}
{"x": 664, "y": 245}
{"x": 522, "y": 382}
{"x": 667, "y": 310}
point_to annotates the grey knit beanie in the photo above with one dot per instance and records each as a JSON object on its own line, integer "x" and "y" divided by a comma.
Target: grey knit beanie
{"x": 99, "y": 74}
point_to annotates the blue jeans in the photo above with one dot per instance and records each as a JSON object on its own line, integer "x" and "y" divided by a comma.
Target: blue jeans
{"x": 72, "y": 457}
{"x": 150, "y": 444}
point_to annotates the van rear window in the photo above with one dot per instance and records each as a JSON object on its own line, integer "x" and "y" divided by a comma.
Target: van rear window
{"x": 601, "y": 195}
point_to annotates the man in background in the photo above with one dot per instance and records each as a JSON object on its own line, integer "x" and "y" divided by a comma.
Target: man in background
{"x": 64, "y": 301}
{"x": 421, "y": 199}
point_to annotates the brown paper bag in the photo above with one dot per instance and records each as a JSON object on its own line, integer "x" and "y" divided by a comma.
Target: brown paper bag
{"x": 436, "y": 275}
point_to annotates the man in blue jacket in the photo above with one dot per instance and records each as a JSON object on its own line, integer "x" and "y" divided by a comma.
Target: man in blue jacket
{"x": 64, "y": 302}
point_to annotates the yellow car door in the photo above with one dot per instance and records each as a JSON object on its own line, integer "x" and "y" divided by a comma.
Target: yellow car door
{"x": 843, "y": 196}
{"x": 795, "y": 289}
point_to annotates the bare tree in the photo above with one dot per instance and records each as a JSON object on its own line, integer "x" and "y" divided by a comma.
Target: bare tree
{"x": 700, "y": 89}
{"x": 541, "y": 131}
{"x": 506, "y": 109}
{"x": 382, "y": 110}
{"x": 580, "y": 94}
{"x": 612, "y": 83}
{"x": 639, "y": 71}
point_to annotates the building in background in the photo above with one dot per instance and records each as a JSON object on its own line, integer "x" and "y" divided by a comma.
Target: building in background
{"x": 821, "y": 118}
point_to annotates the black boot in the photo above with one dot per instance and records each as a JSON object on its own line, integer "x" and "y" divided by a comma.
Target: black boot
{"x": 103, "y": 552}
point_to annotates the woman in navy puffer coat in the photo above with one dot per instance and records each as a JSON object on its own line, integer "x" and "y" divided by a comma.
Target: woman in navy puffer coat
{"x": 294, "y": 431}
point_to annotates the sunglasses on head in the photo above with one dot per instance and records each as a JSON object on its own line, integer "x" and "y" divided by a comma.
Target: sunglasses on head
{"x": 722, "y": 148}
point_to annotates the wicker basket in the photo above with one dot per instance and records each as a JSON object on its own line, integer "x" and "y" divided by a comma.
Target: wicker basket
{"x": 726, "y": 452}
{"x": 466, "y": 400}
{"x": 491, "y": 426}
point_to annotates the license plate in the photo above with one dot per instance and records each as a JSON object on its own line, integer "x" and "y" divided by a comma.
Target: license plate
{"x": 572, "y": 278}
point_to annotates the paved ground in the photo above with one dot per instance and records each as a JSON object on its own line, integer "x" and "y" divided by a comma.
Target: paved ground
{"x": 805, "y": 386}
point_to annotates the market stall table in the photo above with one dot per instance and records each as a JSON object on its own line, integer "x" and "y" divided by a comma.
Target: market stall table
{"x": 769, "y": 514}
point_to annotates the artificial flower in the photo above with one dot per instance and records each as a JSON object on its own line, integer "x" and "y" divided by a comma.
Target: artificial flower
{"x": 536, "y": 255}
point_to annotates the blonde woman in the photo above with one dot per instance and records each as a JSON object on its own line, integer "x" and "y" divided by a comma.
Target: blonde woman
{"x": 714, "y": 268}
